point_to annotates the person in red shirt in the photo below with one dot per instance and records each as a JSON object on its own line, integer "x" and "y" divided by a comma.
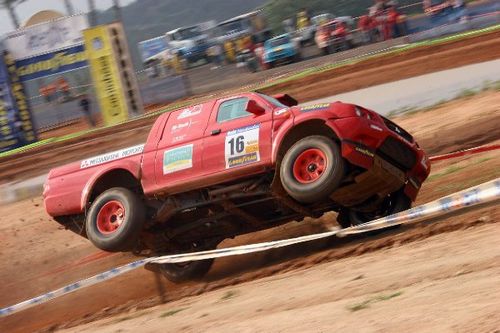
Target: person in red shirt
{"x": 391, "y": 30}
{"x": 63, "y": 87}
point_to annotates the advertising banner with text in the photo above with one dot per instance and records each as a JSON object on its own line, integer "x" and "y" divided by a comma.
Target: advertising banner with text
{"x": 105, "y": 75}
{"x": 16, "y": 125}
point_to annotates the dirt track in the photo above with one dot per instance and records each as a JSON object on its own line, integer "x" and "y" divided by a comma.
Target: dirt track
{"x": 447, "y": 272}
{"x": 438, "y": 284}
{"x": 38, "y": 257}
{"x": 359, "y": 75}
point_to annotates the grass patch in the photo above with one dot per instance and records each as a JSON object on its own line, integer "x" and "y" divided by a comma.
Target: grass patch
{"x": 455, "y": 168}
{"x": 449, "y": 170}
{"x": 131, "y": 316}
{"x": 171, "y": 312}
{"x": 467, "y": 93}
{"x": 482, "y": 160}
{"x": 228, "y": 295}
{"x": 366, "y": 303}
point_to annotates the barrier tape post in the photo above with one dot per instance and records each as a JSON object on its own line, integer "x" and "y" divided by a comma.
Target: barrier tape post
{"x": 486, "y": 192}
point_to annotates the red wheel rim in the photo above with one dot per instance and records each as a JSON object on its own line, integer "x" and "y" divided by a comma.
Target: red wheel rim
{"x": 110, "y": 217}
{"x": 309, "y": 165}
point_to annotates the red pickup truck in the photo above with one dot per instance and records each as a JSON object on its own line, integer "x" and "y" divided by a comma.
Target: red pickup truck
{"x": 235, "y": 165}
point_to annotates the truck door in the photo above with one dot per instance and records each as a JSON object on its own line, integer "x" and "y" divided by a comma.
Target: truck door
{"x": 179, "y": 155}
{"x": 237, "y": 142}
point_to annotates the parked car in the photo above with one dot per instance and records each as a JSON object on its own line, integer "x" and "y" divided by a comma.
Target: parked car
{"x": 189, "y": 42}
{"x": 334, "y": 36}
{"x": 280, "y": 49}
{"x": 236, "y": 165}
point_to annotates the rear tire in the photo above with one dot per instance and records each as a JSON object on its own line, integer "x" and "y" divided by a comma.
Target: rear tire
{"x": 188, "y": 271}
{"x": 115, "y": 220}
{"x": 394, "y": 203}
{"x": 312, "y": 169}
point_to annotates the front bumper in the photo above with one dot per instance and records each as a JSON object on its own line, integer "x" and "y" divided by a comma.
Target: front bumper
{"x": 377, "y": 145}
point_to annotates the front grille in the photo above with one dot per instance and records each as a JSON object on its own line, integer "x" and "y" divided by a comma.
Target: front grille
{"x": 398, "y": 153}
{"x": 398, "y": 130}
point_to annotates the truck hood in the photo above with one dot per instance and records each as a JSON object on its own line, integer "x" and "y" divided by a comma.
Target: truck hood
{"x": 134, "y": 151}
{"x": 333, "y": 110}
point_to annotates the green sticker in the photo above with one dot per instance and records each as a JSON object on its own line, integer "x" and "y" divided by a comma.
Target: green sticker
{"x": 178, "y": 159}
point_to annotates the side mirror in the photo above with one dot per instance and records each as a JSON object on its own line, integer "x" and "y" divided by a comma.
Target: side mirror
{"x": 254, "y": 108}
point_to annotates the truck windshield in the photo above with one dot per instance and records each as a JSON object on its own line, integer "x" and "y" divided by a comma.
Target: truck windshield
{"x": 278, "y": 41}
{"x": 187, "y": 33}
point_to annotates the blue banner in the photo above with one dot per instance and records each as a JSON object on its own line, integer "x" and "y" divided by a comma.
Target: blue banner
{"x": 152, "y": 47}
{"x": 16, "y": 126}
{"x": 52, "y": 63}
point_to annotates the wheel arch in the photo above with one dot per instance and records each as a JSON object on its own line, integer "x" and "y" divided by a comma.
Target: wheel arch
{"x": 298, "y": 131}
{"x": 126, "y": 176}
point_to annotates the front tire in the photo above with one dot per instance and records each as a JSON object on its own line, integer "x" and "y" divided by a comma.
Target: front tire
{"x": 115, "y": 220}
{"x": 312, "y": 169}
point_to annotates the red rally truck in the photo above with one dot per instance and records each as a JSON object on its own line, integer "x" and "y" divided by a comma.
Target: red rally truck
{"x": 236, "y": 165}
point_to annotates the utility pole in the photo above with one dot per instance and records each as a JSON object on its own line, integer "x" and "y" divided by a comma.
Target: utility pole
{"x": 9, "y": 4}
{"x": 118, "y": 12}
{"x": 92, "y": 15}
{"x": 69, "y": 7}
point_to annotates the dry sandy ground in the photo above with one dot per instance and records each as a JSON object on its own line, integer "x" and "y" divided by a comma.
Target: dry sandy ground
{"x": 445, "y": 283}
{"x": 38, "y": 257}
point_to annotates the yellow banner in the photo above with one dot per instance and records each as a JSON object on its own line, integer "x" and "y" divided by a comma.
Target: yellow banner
{"x": 105, "y": 75}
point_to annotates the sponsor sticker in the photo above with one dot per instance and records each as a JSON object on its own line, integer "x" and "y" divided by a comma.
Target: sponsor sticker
{"x": 242, "y": 146}
{"x": 281, "y": 111}
{"x": 186, "y": 113}
{"x": 116, "y": 155}
{"x": 315, "y": 107}
{"x": 364, "y": 151}
{"x": 178, "y": 159}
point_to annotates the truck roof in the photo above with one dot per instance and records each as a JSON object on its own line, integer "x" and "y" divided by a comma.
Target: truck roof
{"x": 181, "y": 28}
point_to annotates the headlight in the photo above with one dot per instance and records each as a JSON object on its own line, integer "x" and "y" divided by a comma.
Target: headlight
{"x": 362, "y": 113}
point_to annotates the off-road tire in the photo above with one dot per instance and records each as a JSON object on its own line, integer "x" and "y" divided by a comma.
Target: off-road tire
{"x": 398, "y": 202}
{"x": 322, "y": 186}
{"x": 125, "y": 237}
{"x": 189, "y": 271}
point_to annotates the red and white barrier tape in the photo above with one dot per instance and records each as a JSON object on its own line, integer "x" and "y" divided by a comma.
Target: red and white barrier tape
{"x": 464, "y": 152}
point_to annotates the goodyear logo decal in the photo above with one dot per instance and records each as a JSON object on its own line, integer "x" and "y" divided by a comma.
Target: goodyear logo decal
{"x": 364, "y": 151}
{"x": 315, "y": 107}
{"x": 242, "y": 160}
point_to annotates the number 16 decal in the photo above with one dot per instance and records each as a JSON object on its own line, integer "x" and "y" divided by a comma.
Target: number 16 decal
{"x": 242, "y": 146}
